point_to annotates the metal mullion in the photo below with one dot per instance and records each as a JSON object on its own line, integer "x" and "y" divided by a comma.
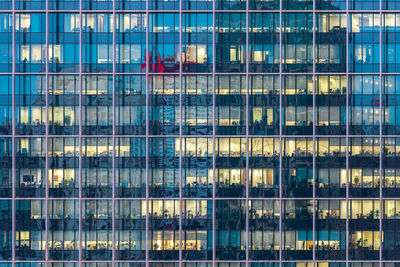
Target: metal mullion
{"x": 219, "y": 198}
{"x": 314, "y": 132}
{"x": 247, "y": 130}
{"x": 347, "y": 131}
{"x": 207, "y": 73}
{"x": 13, "y": 170}
{"x": 200, "y": 136}
{"x": 180, "y": 133}
{"x": 280, "y": 132}
{"x": 198, "y": 11}
{"x": 114, "y": 19}
{"x": 147, "y": 130}
{"x": 380, "y": 134}
{"x": 47, "y": 132}
{"x": 214, "y": 245}
{"x": 80, "y": 130}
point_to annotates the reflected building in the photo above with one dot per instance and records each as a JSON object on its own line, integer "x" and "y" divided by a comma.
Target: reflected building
{"x": 199, "y": 133}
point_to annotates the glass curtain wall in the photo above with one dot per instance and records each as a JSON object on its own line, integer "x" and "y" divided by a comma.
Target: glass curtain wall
{"x": 199, "y": 133}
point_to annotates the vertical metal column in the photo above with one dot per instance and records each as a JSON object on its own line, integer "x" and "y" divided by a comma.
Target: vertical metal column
{"x": 13, "y": 171}
{"x": 214, "y": 245}
{"x": 147, "y": 62}
{"x": 347, "y": 131}
{"x": 313, "y": 137}
{"x": 247, "y": 130}
{"x": 113, "y": 180}
{"x": 281, "y": 140}
{"x": 80, "y": 127}
{"x": 46, "y": 88}
{"x": 180, "y": 133}
{"x": 381, "y": 20}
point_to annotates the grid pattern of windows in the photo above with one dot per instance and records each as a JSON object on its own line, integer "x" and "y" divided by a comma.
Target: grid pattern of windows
{"x": 199, "y": 133}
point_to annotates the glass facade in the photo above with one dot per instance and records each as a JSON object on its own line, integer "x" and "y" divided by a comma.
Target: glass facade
{"x": 199, "y": 133}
